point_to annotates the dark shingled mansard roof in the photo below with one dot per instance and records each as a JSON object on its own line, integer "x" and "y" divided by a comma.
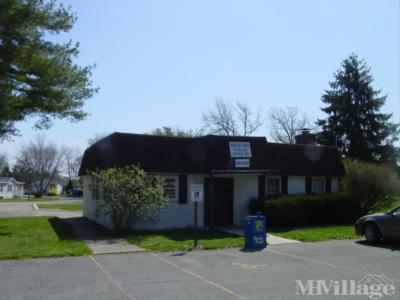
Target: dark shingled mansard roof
{"x": 202, "y": 155}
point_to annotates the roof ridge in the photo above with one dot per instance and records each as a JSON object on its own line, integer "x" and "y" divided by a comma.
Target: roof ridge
{"x": 188, "y": 137}
{"x": 301, "y": 145}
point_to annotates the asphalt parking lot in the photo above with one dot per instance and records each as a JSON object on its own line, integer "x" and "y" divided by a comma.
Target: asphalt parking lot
{"x": 220, "y": 274}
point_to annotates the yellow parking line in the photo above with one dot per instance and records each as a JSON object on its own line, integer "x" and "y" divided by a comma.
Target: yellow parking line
{"x": 200, "y": 277}
{"x": 110, "y": 277}
{"x": 316, "y": 261}
{"x": 313, "y": 260}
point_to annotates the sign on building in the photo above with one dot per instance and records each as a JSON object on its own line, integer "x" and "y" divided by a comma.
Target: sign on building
{"x": 242, "y": 163}
{"x": 196, "y": 192}
{"x": 240, "y": 149}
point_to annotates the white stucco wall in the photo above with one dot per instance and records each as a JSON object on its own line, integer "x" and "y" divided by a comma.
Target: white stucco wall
{"x": 245, "y": 188}
{"x": 176, "y": 215}
{"x": 89, "y": 205}
{"x": 296, "y": 185}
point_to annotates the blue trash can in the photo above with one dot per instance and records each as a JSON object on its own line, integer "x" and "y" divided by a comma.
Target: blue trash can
{"x": 255, "y": 232}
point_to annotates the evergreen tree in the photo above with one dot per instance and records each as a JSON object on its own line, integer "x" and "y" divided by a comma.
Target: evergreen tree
{"x": 6, "y": 172}
{"x": 354, "y": 123}
{"x": 38, "y": 77}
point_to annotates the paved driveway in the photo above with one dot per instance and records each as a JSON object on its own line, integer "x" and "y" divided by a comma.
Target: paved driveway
{"x": 221, "y": 274}
{"x": 20, "y": 209}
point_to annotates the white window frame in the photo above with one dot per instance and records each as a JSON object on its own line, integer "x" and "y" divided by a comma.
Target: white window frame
{"x": 176, "y": 178}
{"x": 323, "y": 185}
{"x": 279, "y": 185}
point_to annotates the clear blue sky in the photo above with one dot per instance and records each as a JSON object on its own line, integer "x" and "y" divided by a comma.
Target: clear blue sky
{"x": 164, "y": 62}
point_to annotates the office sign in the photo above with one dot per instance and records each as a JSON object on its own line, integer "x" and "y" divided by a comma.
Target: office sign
{"x": 242, "y": 163}
{"x": 240, "y": 149}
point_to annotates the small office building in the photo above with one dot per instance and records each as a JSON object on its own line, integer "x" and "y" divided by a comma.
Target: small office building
{"x": 231, "y": 169}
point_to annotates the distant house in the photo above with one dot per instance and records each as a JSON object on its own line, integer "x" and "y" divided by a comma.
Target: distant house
{"x": 231, "y": 170}
{"x": 9, "y": 187}
{"x": 54, "y": 187}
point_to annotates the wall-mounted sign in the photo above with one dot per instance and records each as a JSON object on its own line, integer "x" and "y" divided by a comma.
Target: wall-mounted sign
{"x": 240, "y": 149}
{"x": 196, "y": 192}
{"x": 242, "y": 163}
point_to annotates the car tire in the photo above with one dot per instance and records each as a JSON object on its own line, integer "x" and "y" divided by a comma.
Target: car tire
{"x": 372, "y": 234}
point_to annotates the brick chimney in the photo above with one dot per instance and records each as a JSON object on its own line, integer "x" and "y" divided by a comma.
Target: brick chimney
{"x": 305, "y": 138}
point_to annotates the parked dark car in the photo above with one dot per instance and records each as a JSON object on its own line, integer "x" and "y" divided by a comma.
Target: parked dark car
{"x": 76, "y": 194}
{"x": 380, "y": 226}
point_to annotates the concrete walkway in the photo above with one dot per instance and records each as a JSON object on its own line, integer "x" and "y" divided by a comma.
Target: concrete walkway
{"x": 99, "y": 239}
{"x": 271, "y": 239}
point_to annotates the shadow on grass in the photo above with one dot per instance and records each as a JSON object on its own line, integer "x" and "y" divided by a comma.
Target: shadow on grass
{"x": 80, "y": 228}
{"x": 63, "y": 230}
{"x": 393, "y": 245}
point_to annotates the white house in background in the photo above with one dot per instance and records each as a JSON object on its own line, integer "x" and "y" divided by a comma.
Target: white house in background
{"x": 55, "y": 187}
{"x": 10, "y": 188}
{"x": 231, "y": 169}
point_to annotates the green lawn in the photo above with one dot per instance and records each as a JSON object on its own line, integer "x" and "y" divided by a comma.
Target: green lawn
{"x": 62, "y": 206}
{"x": 182, "y": 239}
{"x": 31, "y": 199}
{"x": 323, "y": 233}
{"x": 316, "y": 234}
{"x": 29, "y": 237}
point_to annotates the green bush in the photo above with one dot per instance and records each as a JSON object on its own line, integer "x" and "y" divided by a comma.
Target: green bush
{"x": 301, "y": 210}
{"x": 370, "y": 183}
{"x": 127, "y": 196}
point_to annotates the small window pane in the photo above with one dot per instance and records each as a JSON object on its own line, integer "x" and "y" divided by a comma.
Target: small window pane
{"x": 169, "y": 185}
{"x": 273, "y": 186}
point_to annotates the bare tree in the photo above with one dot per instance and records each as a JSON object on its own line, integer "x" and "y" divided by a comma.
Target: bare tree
{"x": 227, "y": 119}
{"x": 40, "y": 162}
{"x": 286, "y": 123}
{"x": 72, "y": 158}
{"x": 248, "y": 123}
